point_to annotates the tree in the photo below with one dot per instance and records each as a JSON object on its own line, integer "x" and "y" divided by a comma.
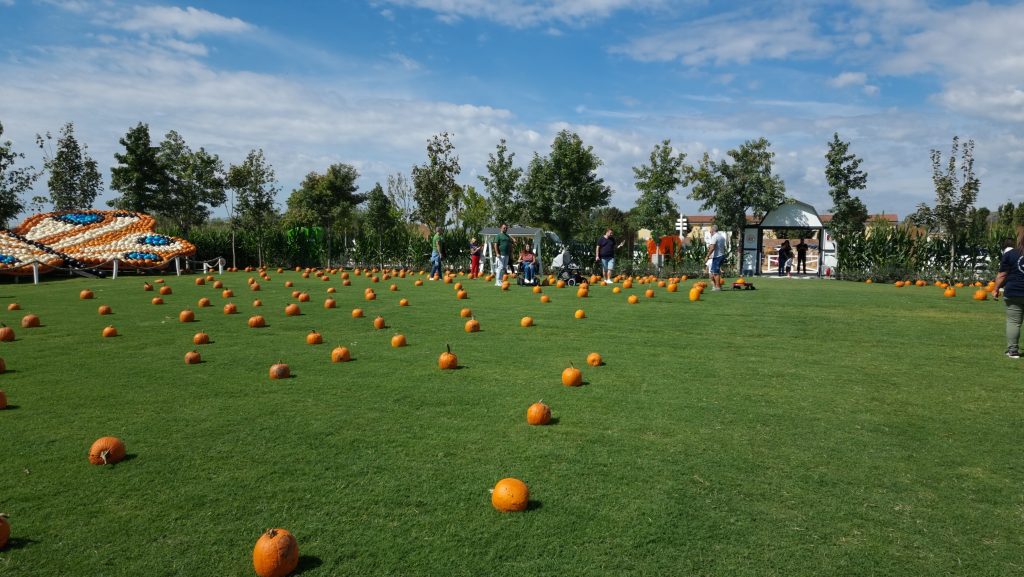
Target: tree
{"x": 1004, "y": 214}
{"x": 382, "y": 226}
{"x": 326, "y": 200}
{"x": 562, "y": 188}
{"x": 475, "y": 214}
{"x": 733, "y": 188}
{"x": 195, "y": 183}
{"x": 955, "y": 192}
{"x": 502, "y": 185}
{"x": 434, "y": 182}
{"x": 13, "y": 181}
{"x": 400, "y": 194}
{"x": 849, "y": 215}
{"x": 74, "y": 181}
{"x": 656, "y": 182}
{"x": 139, "y": 176}
{"x": 255, "y": 188}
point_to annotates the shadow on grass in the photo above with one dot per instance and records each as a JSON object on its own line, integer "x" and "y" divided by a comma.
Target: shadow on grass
{"x": 11, "y": 408}
{"x": 553, "y": 421}
{"x": 19, "y": 543}
{"x": 307, "y": 563}
{"x": 532, "y": 505}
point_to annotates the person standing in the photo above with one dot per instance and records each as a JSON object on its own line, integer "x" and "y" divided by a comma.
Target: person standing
{"x": 605, "y": 252}
{"x": 716, "y": 253}
{"x": 436, "y": 254}
{"x": 785, "y": 257}
{"x": 474, "y": 258}
{"x": 801, "y": 257}
{"x": 502, "y": 246}
{"x": 1011, "y": 280}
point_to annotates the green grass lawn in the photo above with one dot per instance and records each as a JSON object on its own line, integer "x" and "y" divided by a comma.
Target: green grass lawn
{"x": 805, "y": 428}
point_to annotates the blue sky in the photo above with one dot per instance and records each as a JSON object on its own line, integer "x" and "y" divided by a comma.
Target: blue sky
{"x": 368, "y": 82}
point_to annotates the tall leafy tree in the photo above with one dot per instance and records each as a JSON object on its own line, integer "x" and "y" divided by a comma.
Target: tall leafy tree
{"x": 656, "y": 182}
{"x": 74, "y": 181}
{"x": 254, "y": 185}
{"x": 1004, "y": 214}
{"x": 13, "y": 181}
{"x": 326, "y": 200}
{"x": 382, "y": 228}
{"x": 475, "y": 213}
{"x": 956, "y": 189}
{"x": 434, "y": 182}
{"x": 195, "y": 183}
{"x": 502, "y": 183}
{"x": 562, "y": 188}
{"x": 138, "y": 175}
{"x": 732, "y": 188}
{"x": 401, "y": 195}
{"x": 849, "y": 215}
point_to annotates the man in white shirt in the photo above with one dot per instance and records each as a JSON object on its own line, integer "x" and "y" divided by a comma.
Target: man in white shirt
{"x": 716, "y": 252}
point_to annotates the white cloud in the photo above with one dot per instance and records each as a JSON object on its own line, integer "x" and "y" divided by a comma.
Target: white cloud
{"x": 731, "y": 38}
{"x": 407, "y": 63}
{"x": 528, "y": 13}
{"x": 6, "y": 2}
{"x": 849, "y": 79}
{"x": 187, "y": 23}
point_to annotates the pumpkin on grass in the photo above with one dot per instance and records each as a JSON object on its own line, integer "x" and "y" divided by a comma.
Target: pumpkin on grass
{"x": 448, "y": 361}
{"x": 201, "y": 338}
{"x": 357, "y": 313}
{"x": 109, "y": 332}
{"x": 3, "y": 400}
{"x": 398, "y": 341}
{"x": 280, "y": 371}
{"x": 186, "y": 316}
{"x": 165, "y": 290}
{"x": 6, "y": 333}
{"x": 257, "y": 322}
{"x": 157, "y": 301}
{"x": 378, "y": 323}
{"x": 572, "y": 377}
{"x": 193, "y": 358}
{"x": 314, "y": 338}
{"x": 340, "y": 355}
{"x": 594, "y": 359}
{"x": 526, "y": 322}
{"x": 106, "y": 451}
{"x": 276, "y": 554}
{"x": 510, "y": 494}
{"x": 580, "y": 314}
{"x": 5, "y": 530}
{"x": 105, "y": 310}
{"x": 86, "y": 294}
{"x": 292, "y": 310}
{"x": 538, "y": 414}
{"x": 472, "y": 326}
{"x": 30, "y": 321}
{"x": 14, "y": 307}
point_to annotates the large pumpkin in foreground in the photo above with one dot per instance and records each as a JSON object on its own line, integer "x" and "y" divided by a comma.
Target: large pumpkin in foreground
{"x": 106, "y": 451}
{"x": 276, "y": 553}
{"x": 510, "y": 494}
{"x": 5, "y": 531}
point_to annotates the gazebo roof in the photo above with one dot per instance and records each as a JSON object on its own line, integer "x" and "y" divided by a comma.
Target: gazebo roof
{"x": 792, "y": 214}
{"x": 512, "y": 231}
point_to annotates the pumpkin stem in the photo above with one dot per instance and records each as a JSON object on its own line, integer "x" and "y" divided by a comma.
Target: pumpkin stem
{"x": 449, "y": 348}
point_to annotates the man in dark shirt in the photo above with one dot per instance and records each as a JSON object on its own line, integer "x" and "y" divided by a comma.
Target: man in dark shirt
{"x": 801, "y": 257}
{"x": 605, "y": 253}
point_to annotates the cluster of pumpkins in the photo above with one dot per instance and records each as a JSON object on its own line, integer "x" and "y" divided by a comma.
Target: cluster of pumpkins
{"x": 276, "y": 552}
{"x": 949, "y": 289}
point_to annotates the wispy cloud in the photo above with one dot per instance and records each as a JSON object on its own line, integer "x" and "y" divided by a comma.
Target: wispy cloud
{"x": 528, "y": 13}
{"x": 731, "y": 38}
{"x": 185, "y": 22}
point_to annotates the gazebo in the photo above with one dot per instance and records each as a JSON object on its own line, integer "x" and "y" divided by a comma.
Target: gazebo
{"x": 516, "y": 232}
{"x": 792, "y": 214}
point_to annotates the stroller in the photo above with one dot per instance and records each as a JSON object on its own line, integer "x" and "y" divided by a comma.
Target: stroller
{"x": 568, "y": 270}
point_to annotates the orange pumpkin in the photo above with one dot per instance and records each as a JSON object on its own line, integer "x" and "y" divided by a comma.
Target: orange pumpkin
{"x": 331, "y": 290}
{"x": 594, "y": 359}
{"x": 29, "y": 321}
{"x": 200, "y": 281}
{"x": 314, "y": 338}
{"x": 675, "y": 287}
{"x": 504, "y": 285}
{"x": 545, "y": 299}
{"x": 105, "y": 310}
{"x": 572, "y": 377}
{"x": 357, "y": 313}
{"x": 86, "y": 294}
{"x": 633, "y": 299}
{"x": 560, "y": 284}
{"x": 949, "y": 292}
{"x": 582, "y": 292}
{"x": 628, "y": 284}
{"x": 462, "y": 295}
{"x": 304, "y": 297}
{"x": 193, "y": 358}
{"x": 292, "y": 310}
{"x": 340, "y": 355}
{"x": 276, "y": 554}
{"x": 204, "y": 302}
{"x": 146, "y": 286}
{"x": 371, "y": 296}
{"x": 6, "y": 333}
{"x": 257, "y": 303}
{"x": 538, "y": 414}
{"x": 330, "y": 303}
{"x": 649, "y": 293}
{"x": 109, "y": 332}
{"x": 472, "y": 326}
{"x": 201, "y": 338}
{"x": 393, "y": 288}
{"x": 465, "y": 313}
{"x": 398, "y": 341}
{"x": 257, "y": 322}
{"x": 580, "y": 314}
{"x": 227, "y": 293}
{"x": 186, "y": 316}
{"x": 165, "y": 290}
{"x": 526, "y": 322}
{"x": 106, "y": 451}
{"x": 14, "y": 307}
{"x": 230, "y": 309}
{"x": 157, "y": 301}
{"x": 448, "y": 361}
{"x": 280, "y": 371}
{"x": 981, "y": 295}
{"x": 403, "y": 302}
{"x": 378, "y": 323}
{"x": 510, "y": 495}
{"x": 694, "y": 294}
